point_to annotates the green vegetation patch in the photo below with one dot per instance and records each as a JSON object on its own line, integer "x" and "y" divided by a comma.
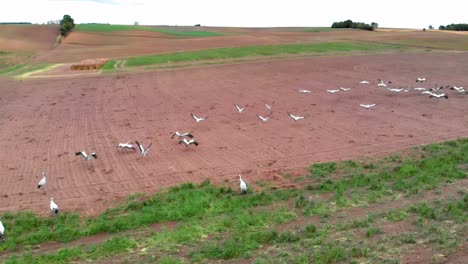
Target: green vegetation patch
{"x": 108, "y": 28}
{"x": 250, "y": 51}
{"x": 270, "y": 226}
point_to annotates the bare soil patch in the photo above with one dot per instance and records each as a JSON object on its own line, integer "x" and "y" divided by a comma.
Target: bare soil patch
{"x": 44, "y": 121}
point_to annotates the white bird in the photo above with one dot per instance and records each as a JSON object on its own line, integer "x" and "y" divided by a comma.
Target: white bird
{"x": 53, "y": 206}
{"x": 240, "y": 109}
{"x": 42, "y": 182}
{"x": 437, "y": 88}
{"x": 263, "y": 118}
{"x": 86, "y": 156}
{"x": 126, "y": 145}
{"x": 426, "y": 92}
{"x": 2, "y": 230}
{"x": 395, "y": 90}
{"x": 364, "y": 82}
{"x": 143, "y": 150}
{"x": 458, "y": 89}
{"x": 188, "y": 142}
{"x": 419, "y": 89}
{"x": 383, "y": 84}
{"x": 438, "y": 96}
{"x": 242, "y": 185}
{"x": 186, "y": 134}
{"x": 420, "y": 79}
{"x": 345, "y": 89}
{"x": 367, "y": 105}
{"x": 333, "y": 91}
{"x": 296, "y": 118}
{"x": 269, "y": 106}
{"x": 304, "y": 91}
{"x": 198, "y": 119}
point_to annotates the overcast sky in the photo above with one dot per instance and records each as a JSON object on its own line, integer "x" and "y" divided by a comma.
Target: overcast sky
{"x": 240, "y": 13}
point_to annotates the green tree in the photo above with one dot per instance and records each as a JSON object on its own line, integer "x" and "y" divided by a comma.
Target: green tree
{"x": 431, "y": 27}
{"x": 66, "y": 25}
{"x": 374, "y": 25}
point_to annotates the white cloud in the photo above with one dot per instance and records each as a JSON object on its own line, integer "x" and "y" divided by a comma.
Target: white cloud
{"x": 396, "y": 13}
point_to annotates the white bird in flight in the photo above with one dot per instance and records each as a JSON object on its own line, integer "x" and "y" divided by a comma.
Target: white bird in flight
{"x": 143, "y": 150}
{"x": 383, "y": 84}
{"x": 439, "y": 96}
{"x": 458, "y": 89}
{"x": 269, "y": 106}
{"x": 333, "y": 91}
{"x": 420, "y": 79}
{"x": 304, "y": 91}
{"x": 188, "y": 142}
{"x": 53, "y": 206}
{"x": 240, "y": 109}
{"x": 42, "y": 182}
{"x": 126, "y": 145}
{"x": 186, "y": 134}
{"x": 242, "y": 185}
{"x": 296, "y": 118}
{"x": 367, "y": 106}
{"x": 419, "y": 89}
{"x": 198, "y": 119}
{"x": 364, "y": 82}
{"x": 395, "y": 90}
{"x": 345, "y": 89}
{"x": 263, "y": 118}
{"x": 86, "y": 156}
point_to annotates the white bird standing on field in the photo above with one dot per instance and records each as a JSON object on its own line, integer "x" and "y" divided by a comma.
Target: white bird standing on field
{"x": 367, "y": 106}
{"x": 186, "y": 134}
{"x": 188, "y": 142}
{"x": 54, "y": 209}
{"x": 296, "y": 118}
{"x": 198, "y": 119}
{"x": 86, "y": 157}
{"x": 42, "y": 182}
{"x": 240, "y": 109}
{"x": 364, "y": 82}
{"x": 333, "y": 91}
{"x": 420, "y": 79}
{"x": 304, "y": 91}
{"x": 2, "y": 230}
{"x": 143, "y": 150}
{"x": 126, "y": 145}
{"x": 242, "y": 185}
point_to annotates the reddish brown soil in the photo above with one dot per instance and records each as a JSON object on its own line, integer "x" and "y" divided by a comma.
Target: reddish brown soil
{"x": 81, "y": 45}
{"x": 27, "y": 37}
{"x": 43, "y": 122}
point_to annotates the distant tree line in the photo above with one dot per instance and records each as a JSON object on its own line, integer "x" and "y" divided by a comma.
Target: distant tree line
{"x": 458, "y": 27}
{"x": 15, "y": 23}
{"x": 359, "y": 25}
{"x": 66, "y": 25}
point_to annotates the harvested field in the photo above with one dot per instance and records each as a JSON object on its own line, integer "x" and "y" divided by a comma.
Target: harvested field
{"x": 53, "y": 118}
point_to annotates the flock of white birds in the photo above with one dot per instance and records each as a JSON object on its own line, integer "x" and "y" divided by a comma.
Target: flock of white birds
{"x": 188, "y": 138}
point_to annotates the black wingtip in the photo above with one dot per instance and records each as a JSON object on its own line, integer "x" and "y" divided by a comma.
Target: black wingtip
{"x": 77, "y": 153}
{"x": 190, "y": 135}
{"x": 94, "y": 155}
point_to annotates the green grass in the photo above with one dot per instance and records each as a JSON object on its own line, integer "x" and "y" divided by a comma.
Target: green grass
{"x": 109, "y": 28}
{"x": 250, "y": 51}
{"x": 215, "y": 222}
